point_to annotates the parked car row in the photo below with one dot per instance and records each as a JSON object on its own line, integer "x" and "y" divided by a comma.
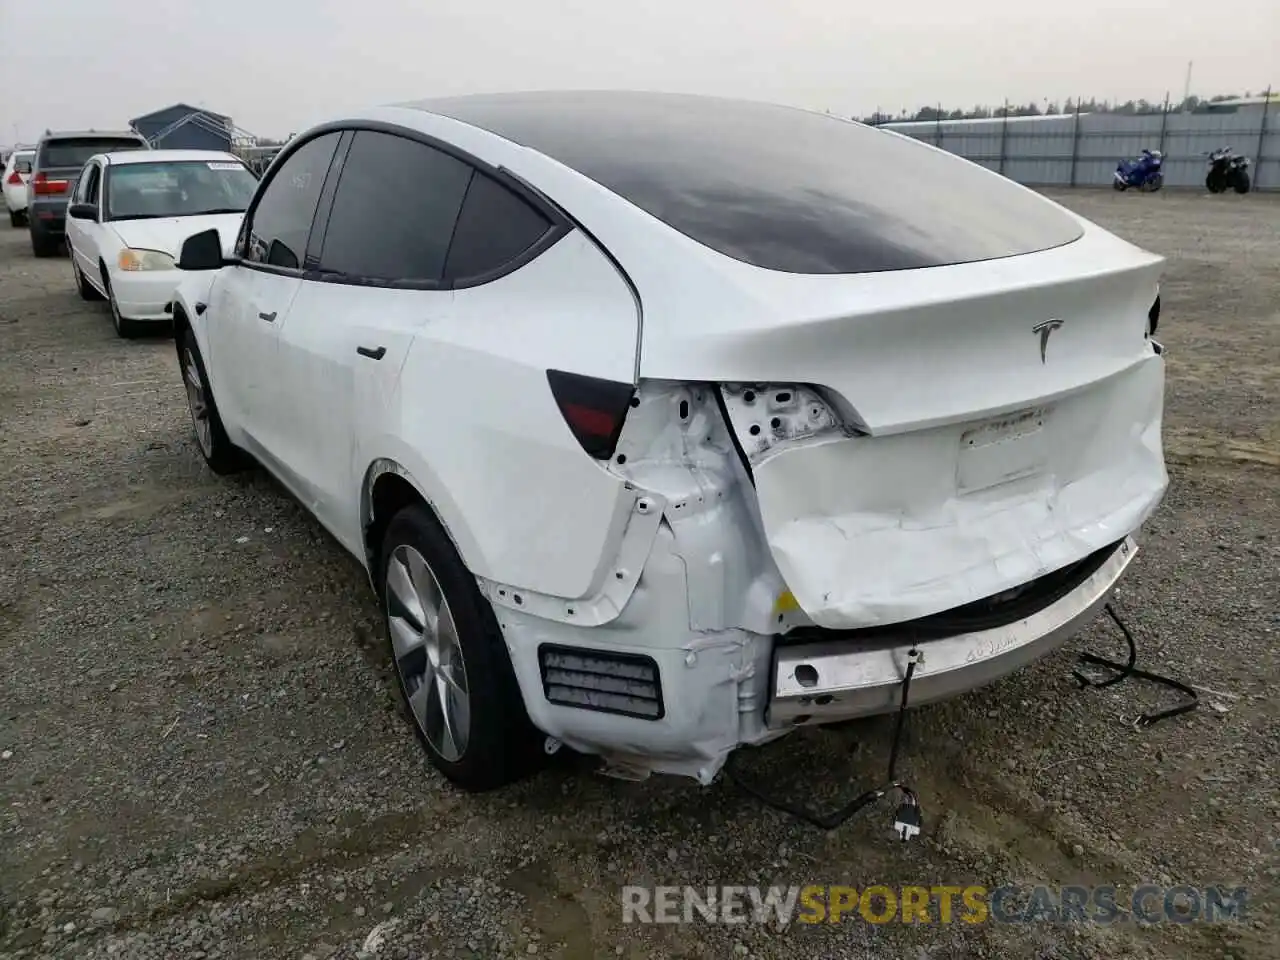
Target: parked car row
{"x": 128, "y": 215}
{"x": 663, "y": 425}
{"x": 122, "y": 210}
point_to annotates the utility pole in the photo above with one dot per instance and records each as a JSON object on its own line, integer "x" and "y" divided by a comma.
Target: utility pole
{"x": 1186, "y": 89}
{"x": 1164, "y": 121}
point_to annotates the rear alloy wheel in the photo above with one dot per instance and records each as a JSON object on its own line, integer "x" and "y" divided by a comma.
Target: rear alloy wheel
{"x": 455, "y": 676}
{"x": 211, "y": 438}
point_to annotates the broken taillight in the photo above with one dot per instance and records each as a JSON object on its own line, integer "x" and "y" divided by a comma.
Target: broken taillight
{"x": 41, "y": 185}
{"x": 1153, "y": 317}
{"x": 594, "y": 409}
{"x": 15, "y": 179}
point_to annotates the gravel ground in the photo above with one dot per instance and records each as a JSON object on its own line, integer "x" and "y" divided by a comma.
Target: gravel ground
{"x": 202, "y": 754}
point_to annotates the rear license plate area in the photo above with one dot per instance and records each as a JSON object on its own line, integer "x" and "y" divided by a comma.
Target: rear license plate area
{"x": 1002, "y": 450}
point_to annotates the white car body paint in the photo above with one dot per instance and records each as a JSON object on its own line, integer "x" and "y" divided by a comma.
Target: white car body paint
{"x": 941, "y": 461}
{"x": 15, "y": 194}
{"x": 97, "y": 244}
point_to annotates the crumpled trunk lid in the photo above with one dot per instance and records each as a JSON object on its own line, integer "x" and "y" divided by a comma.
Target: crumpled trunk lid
{"x": 999, "y": 420}
{"x": 876, "y": 530}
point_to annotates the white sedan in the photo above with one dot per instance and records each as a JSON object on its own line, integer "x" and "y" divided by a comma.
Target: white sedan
{"x": 667, "y": 424}
{"x": 129, "y": 215}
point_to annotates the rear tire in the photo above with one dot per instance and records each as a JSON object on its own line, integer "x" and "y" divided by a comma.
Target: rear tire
{"x": 456, "y": 681}
{"x": 16, "y": 219}
{"x": 43, "y": 245}
{"x": 1242, "y": 182}
{"x": 1119, "y": 185}
{"x": 211, "y": 438}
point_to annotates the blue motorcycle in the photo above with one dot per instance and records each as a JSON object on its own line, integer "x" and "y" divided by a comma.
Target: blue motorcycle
{"x": 1143, "y": 174}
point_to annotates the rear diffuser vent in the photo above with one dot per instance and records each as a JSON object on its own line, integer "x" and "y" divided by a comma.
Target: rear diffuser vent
{"x": 624, "y": 683}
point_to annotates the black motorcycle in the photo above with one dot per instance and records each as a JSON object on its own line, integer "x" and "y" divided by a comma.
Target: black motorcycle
{"x": 1227, "y": 171}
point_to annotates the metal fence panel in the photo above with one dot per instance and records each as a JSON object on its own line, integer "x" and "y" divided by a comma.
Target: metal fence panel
{"x": 1083, "y": 149}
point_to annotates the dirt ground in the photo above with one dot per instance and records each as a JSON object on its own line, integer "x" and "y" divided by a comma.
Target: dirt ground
{"x": 202, "y": 754}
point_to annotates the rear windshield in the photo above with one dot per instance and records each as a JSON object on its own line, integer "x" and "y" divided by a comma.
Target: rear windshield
{"x": 777, "y": 187}
{"x": 76, "y": 152}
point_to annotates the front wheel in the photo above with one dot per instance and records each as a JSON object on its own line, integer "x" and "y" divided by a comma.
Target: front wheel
{"x": 86, "y": 290}
{"x": 455, "y": 677}
{"x": 1242, "y": 182}
{"x": 211, "y": 437}
{"x": 1216, "y": 182}
{"x": 125, "y": 327}
{"x": 1156, "y": 182}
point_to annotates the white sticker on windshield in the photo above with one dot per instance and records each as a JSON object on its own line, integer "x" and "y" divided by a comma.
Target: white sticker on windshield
{"x": 220, "y": 165}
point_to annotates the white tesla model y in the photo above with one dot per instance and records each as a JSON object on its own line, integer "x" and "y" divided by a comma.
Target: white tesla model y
{"x": 664, "y": 424}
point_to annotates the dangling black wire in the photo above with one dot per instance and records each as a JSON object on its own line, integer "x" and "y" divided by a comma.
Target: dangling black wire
{"x": 829, "y": 821}
{"x": 1126, "y": 670}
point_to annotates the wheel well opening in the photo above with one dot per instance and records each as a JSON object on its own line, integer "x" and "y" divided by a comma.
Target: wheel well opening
{"x": 180, "y": 325}
{"x": 390, "y": 494}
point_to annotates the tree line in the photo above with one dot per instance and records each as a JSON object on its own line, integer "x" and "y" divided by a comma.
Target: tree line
{"x": 1191, "y": 104}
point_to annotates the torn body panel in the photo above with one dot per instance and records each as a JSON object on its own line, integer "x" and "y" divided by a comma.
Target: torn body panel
{"x": 706, "y": 608}
{"x": 698, "y": 596}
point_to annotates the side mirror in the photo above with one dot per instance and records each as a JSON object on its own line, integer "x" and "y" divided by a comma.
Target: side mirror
{"x": 83, "y": 211}
{"x": 203, "y": 251}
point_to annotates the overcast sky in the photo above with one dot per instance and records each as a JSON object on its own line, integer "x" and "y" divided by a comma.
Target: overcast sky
{"x": 276, "y": 65}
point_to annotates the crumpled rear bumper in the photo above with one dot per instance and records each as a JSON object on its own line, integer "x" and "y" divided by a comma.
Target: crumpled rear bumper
{"x": 841, "y": 678}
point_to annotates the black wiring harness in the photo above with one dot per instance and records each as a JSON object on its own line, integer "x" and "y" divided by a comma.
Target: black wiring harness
{"x": 1128, "y": 669}
{"x": 908, "y": 821}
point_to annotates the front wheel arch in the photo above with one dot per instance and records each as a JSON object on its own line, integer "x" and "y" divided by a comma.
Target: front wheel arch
{"x": 180, "y": 325}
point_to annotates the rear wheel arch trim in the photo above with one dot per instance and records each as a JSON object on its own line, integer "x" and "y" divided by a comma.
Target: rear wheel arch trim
{"x": 383, "y": 467}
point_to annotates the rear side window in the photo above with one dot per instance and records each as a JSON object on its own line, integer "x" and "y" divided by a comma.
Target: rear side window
{"x": 394, "y": 210}
{"x": 75, "y": 152}
{"x": 282, "y": 219}
{"x": 495, "y": 227}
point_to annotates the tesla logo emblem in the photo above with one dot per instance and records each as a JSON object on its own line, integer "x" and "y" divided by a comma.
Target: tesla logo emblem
{"x": 1044, "y": 328}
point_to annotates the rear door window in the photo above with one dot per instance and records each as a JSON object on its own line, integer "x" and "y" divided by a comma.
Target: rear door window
{"x": 281, "y": 222}
{"x": 22, "y": 165}
{"x": 75, "y": 152}
{"x": 494, "y": 228}
{"x": 394, "y": 211}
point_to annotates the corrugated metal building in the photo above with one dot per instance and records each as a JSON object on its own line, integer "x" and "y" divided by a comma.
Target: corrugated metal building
{"x": 1083, "y": 149}
{"x": 184, "y": 127}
